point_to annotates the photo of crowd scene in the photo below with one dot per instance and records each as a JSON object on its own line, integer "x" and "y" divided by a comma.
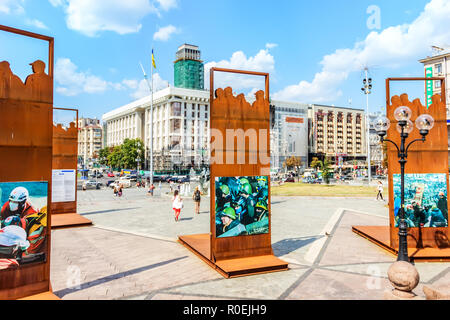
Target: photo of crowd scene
{"x": 23, "y": 222}
{"x": 425, "y": 200}
{"x": 241, "y": 206}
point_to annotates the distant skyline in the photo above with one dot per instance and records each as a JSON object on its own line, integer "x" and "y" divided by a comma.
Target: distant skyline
{"x": 315, "y": 52}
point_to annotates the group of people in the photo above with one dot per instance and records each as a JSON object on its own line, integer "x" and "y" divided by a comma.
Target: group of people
{"x": 430, "y": 212}
{"x": 23, "y": 229}
{"x": 241, "y": 206}
{"x": 118, "y": 190}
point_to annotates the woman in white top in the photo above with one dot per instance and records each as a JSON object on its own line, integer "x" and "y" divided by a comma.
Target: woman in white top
{"x": 380, "y": 190}
{"x": 177, "y": 204}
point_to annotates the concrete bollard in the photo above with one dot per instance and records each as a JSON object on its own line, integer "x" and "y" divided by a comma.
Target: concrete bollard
{"x": 404, "y": 278}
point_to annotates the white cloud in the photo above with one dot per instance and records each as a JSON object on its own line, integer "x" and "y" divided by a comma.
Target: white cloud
{"x": 263, "y": 61}
{"x": 12, "y": 6}
{"x": 164, "y": 33}
{"x": 141, "y": 88}
{"x": 71, "y": 82}
{"x": 123, "y": 17}
{"x": 167, "y": 4}
{"x": 36, "y": 23}
{"x": 56, "y": 3}
{"x": 390, "y": 47}
{"x": 271, "y": 45}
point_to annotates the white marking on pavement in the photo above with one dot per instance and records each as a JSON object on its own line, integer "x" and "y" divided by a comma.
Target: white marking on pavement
{"x": 152, "y": 236}
{"x": 317, "y": 245}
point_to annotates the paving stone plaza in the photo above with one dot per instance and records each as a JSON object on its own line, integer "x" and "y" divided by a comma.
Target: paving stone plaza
{"x": 131, "y": 252}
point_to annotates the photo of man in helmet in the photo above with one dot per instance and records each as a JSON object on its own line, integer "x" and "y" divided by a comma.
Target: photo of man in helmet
{"x": 241, "y": 206}
{"x": 23, "y": 223}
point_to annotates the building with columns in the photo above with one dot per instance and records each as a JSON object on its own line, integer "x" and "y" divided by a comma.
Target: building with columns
{"x": 180, "y": 126}
{"x": 337, "y": 132}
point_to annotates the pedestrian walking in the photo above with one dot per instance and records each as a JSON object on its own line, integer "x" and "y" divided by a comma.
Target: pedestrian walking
{"x": 197, "y": 197}
{"x": 171, "y": 186}
{"x": 177, "y": 204}
{"x": 120, "y": 191}
{"x": 150, "y": 189}
{"x": 160, "y": 187}
{"x": 116, "y": 190}
{"x": 380, "y": 191}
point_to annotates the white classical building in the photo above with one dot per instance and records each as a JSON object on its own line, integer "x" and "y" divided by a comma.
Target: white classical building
{"x": 181, "y": 128}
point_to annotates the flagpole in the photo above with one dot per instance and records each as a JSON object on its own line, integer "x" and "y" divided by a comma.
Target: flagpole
{"x": 151, "y": 127}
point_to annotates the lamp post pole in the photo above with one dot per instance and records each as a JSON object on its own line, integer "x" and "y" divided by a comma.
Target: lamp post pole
{"x": 367, "y": 87}
{"x": 404, "y": 126}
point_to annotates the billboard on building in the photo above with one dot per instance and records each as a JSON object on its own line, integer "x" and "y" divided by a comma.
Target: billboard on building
{"x": 296, "y": 136}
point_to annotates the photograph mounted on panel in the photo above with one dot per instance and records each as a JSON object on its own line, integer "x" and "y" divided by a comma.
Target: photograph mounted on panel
{"x": 242, "y": 206}
{"x": 23, "y": 233}
{"x": 425, "y": 200}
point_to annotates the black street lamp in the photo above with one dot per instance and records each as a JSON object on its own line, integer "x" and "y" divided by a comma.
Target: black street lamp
{"x": 424, "y": 123}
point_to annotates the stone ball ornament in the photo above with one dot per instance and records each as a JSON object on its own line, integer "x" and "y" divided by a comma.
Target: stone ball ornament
{"x": 404, "y": 278}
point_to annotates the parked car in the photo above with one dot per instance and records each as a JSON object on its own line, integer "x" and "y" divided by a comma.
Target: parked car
{"x": 289, "y": 179}
{"x": 173, "y": 179}
{"x": 91, "y": 184}
{"x": 184, "y": 180}
{"x": 110, "y": 175}
{"x": 126, "y": 183}
{"x": 108, "y": 183}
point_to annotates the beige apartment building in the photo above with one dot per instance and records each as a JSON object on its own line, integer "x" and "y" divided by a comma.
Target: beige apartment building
{"x": 337, "y": 132}
{"x": 89, "y": 138}
{"x": 438, "y": 65}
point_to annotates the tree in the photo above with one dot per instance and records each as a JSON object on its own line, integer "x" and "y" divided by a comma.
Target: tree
{"x": 103, "y": 155}
{"x": 316, "y": 163}
{"x": 132, "y": 149}
{"x": 326, "y": 168}
{"x": 293, "y": 163}
{"x": 115, "y": 157}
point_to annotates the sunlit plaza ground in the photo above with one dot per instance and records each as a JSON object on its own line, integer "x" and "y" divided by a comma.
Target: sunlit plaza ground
{"x": 131, "y": 251}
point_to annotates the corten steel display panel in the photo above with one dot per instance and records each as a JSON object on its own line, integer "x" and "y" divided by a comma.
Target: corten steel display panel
{"x": 26, "y": 149}
{"x": 233, "y": 112}
{"x": 428, "y": 157}
{"x": 65, "y": 156}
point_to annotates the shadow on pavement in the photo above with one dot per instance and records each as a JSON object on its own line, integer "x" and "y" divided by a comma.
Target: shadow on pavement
{"x": 63, "y": 292}
{"x": 286, "y": 246}
{"x": 106, "y": 211}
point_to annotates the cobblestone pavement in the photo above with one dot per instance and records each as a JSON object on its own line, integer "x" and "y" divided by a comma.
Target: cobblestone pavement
{"x": 131, "y": 252}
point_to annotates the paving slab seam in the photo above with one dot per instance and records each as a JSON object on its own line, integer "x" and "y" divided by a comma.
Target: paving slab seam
{"x": 200, "y": 295}
{"x": 438, "y": 276}
{"x": 291, "y": 288}
{"x": 138, "y": 234}
{"x": 178, "y": 286}
{"x": 366, "y": 213}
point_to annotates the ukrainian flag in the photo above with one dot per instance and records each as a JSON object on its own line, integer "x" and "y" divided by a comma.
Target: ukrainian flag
{"x": 153, "y": 60}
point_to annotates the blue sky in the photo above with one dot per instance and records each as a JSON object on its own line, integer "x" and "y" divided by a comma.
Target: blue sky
{"x": 314, "y": 51}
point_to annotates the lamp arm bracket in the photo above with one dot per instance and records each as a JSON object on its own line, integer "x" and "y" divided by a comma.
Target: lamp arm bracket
{"x": 398, "y": 150}
{"x": 409, "y": 144}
